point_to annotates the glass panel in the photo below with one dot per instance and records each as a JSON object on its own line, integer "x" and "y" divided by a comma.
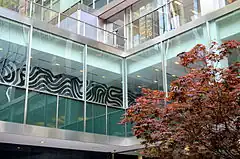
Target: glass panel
{"x": 70, "y": 114}
{"x": 104, "y": 78}
{"x": 68, "y": 23}
{"x": 183, "y": 11}
{"x": 88, "y": 2}
{"x": 96, "y": 118}
{"x": 41, "y": 109}
{"x": 91, "y": 31}
{"x": 129, "y": 130}
{"x": 114, "y": 117}
{"x": 144, "y": 71}
{"x": 142, "y": 8}
{"x": 100, "y": 3}
{"x": 179, "y": 44}
{"x": 13, "y": 52}
{"x": 12, "y": 104}
{"x": 91, "y": 22}
{"x": 224, "y": 29}
{"x": 136, "y": 33}
{"x": 56, "y": 65}
{"x": 44, "y": 14}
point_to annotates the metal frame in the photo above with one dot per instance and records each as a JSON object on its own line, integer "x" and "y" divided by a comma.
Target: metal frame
{"x": 28, "y": 73}
{"x": 85, "y": 86}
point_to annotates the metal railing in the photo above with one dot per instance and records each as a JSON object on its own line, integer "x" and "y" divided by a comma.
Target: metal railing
{"x": 66, "y": 22}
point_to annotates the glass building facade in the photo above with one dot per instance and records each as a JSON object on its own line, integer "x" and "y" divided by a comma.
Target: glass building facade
{"x": 50, "y": 81}
{"x": 73, "y": 83}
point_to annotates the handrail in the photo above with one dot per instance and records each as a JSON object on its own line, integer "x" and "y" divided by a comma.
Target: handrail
{"x": 77, "y": 20}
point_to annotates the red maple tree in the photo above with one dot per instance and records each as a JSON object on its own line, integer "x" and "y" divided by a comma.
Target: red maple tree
{"x": 200, "y": 118}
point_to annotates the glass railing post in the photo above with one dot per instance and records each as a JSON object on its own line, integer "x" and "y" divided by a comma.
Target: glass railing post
{"x": 30, "y": 9}
{"x": 59, "y": 20}
{"x": 84, "y": 28}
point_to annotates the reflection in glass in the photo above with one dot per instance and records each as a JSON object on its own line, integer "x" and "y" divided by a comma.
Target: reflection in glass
{"x": 70, "y": 114}
{"x": 182, "y": 43}
{"x": 183, "y": 11}
{"x": 96, "y": 118}
{"x": 41, "y": 109}
{"x": 114, "y": 117}
{"x": 100, "y": 3}
{"x": 144, "y": 71}
{"x": 104, "y": 78}
{"x": 12, "y": 104}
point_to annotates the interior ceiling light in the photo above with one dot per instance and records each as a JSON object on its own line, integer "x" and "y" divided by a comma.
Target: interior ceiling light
{"x": 1, "y": 49}
{"x": 138, "y": 76}
{"x": 174, "y": 75}
{"x": 177, "y": 63}
{"x": 155, "y": 81}
{"x": 156, "y": 69}
{"x": 81, "y": 71}
{"x": 139, "y": 86}
{"x": 57, "y": 64}
{"x": 178, "y": 3}
{"x": 42, "y": 142}
{"x": 103, "y": 77}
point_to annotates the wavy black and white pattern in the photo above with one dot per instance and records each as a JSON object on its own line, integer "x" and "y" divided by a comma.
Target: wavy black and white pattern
{"x": 12, "y": 74}
{"x": 63, "y": 84}
{"x": 45, "y": 80}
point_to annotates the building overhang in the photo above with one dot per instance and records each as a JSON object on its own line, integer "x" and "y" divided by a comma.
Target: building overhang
{"x": 23, "y": 134}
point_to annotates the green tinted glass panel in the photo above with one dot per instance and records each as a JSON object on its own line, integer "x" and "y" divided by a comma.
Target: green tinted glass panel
{"x": 41, "y": 109}
{"x": 96, "y": 118}
{"x": 114, "y": 117}
{"x": 12, "y": 104}
{"x": 129, "y": 129}
{"x": 70, "y": 114}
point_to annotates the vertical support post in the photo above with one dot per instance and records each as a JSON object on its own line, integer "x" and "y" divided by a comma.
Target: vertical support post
{"x": 97, "y": 29}
{"x": 106, "y": 116}
{"x": 104, "y": 33}
{"x": 84, "y": 28}
{"x": 93, "y": 4}
{"x": 28, "y": 73}
{"x": 164, "y": 65}
{"x": 85, "y": 87}
{"x": 167, "y": 15}
{"x": 78, "y": 22}
{"x": 131, "y": 29}
{"x": 31, "y": 9}
{"x": 59, "y": 20}
{"x": 57, "y": 110}
{"x": 42, "y": 11}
